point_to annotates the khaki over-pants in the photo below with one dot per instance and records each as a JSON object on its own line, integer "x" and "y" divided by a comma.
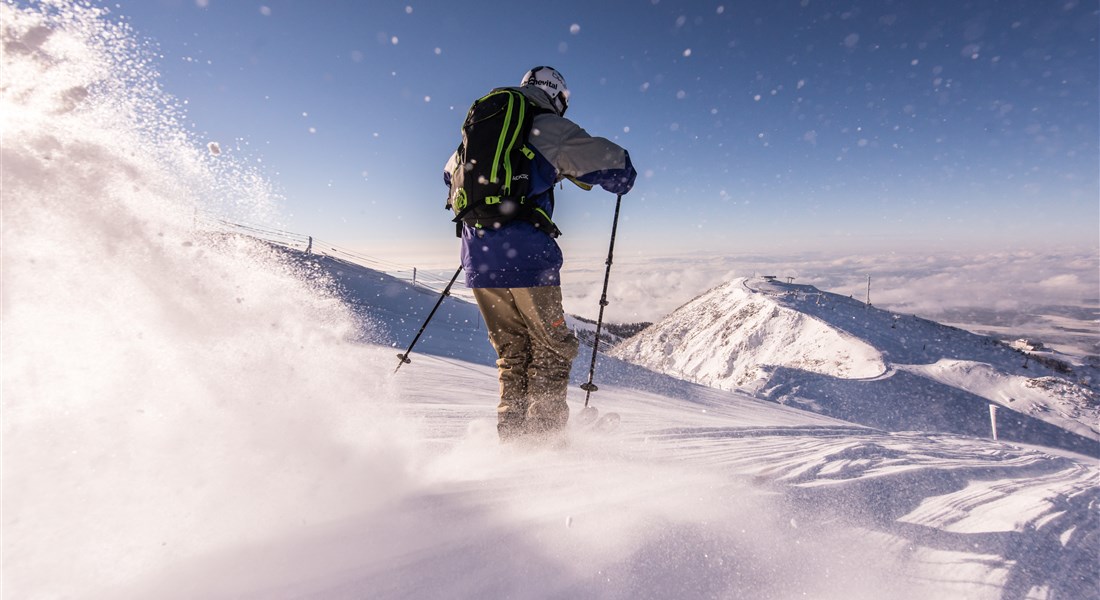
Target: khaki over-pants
{"x": 536, "y": 351}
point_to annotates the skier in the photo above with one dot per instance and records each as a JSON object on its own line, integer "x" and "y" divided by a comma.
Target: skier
{"x": 514, "y": 268}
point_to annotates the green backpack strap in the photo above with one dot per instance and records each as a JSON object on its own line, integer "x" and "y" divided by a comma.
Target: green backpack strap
{"x": 491, "y": 179}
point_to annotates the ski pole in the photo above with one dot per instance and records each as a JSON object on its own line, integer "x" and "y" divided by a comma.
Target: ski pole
{"x": 446, "y": 292}
{"x": 591, "y": 387}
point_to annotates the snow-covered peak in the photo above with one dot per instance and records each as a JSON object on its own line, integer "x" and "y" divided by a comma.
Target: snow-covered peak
{"x": 839, "y": 356}
{"x": 728, "y": 336}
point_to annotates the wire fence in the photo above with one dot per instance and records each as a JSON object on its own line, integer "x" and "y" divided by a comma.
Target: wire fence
{"x": 434, "y": 280}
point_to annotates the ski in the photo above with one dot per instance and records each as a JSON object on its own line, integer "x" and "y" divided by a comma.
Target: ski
{"x": 590, "y": 419}
{"x": 607, "y": 423}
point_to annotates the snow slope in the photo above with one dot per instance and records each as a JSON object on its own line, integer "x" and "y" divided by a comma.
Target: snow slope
{"x": 705, "y": 494}
{"x": 187, "y": 414}
{"x": 798, "y": 345}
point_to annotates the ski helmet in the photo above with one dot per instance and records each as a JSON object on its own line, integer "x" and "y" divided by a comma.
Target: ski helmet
{"x": 550, "y": 81}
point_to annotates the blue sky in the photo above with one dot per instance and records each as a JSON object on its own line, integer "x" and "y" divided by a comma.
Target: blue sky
{"x": 793, "y": 125}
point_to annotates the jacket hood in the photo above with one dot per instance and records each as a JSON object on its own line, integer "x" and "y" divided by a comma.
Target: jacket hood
{"x": 537, "y": 96}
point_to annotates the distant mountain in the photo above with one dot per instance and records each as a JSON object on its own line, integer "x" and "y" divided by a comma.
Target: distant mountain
{"x": 834, "y": 355}
{"x": 610, "y": 333}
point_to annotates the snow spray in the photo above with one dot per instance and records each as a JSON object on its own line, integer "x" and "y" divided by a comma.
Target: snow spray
{"x": 168, "y": 390}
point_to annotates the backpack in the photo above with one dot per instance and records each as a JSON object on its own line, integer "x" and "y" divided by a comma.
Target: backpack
{"x": 492, "y": 175}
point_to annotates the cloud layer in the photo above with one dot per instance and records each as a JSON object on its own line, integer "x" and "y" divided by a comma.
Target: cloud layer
{"x": 995, "y": 287}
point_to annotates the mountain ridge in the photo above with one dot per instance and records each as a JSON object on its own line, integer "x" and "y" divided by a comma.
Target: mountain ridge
{"x": 798, "y": 345}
